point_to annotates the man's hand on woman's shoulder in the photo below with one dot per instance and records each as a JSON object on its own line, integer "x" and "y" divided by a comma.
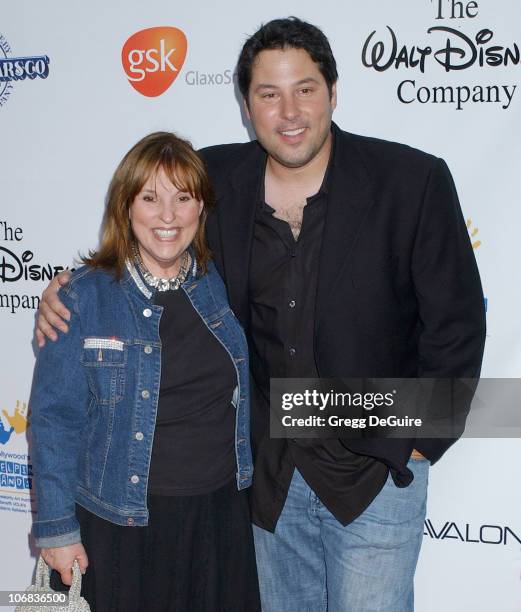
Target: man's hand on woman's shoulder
{"x": 52, "y": 313}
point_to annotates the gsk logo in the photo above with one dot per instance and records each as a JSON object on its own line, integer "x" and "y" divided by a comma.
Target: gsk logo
{"x": 153, "y": 58}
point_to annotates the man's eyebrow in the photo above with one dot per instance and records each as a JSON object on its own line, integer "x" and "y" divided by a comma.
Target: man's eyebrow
{"x": 265, "y": 86}
{"x": 301, "y": 82}
{"x": 307, "y": 80}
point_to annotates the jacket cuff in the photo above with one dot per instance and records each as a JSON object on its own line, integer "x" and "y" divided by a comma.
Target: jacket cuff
{"x": 62, "y": 540}
{"x": 433, "y": 448}
{"x": 56, "y": 529}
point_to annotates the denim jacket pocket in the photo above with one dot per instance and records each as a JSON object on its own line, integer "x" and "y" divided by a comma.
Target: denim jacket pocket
{"x": 105, "y": 361}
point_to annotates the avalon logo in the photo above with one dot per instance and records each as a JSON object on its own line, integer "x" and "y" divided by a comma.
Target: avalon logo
{"x": 153, "y": 58}
{"x": 466, "y": 533}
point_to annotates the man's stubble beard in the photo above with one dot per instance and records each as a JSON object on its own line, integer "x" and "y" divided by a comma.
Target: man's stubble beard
{"x": 306, "y": 156}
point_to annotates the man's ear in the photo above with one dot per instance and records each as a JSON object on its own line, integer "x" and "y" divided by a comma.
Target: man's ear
{"x": 246, "y": 108}
{"x": 333, "y": 96}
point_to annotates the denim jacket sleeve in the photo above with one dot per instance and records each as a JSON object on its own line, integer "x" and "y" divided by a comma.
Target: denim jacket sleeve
{"x": 59, "y": 402}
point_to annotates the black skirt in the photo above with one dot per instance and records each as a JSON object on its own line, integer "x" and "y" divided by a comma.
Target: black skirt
{"x": 195, "y": 555}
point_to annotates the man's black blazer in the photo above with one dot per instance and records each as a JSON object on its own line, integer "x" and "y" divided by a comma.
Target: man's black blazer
{"x": 399, "y": 293}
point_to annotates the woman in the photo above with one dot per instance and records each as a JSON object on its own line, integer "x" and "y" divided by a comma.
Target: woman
{"x": 140, "y": 414}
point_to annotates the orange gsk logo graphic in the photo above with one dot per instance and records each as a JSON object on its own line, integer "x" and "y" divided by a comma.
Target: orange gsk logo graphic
{"x": 153, "y": 58}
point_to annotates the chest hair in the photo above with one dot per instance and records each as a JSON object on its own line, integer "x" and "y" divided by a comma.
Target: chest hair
{"x": 292, "y": 213}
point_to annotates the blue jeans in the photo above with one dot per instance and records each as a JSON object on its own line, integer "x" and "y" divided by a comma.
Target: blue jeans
{"x": 312, "y": 563}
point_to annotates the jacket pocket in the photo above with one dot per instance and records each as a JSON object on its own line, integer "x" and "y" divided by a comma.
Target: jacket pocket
{"x": 105, "y": 361}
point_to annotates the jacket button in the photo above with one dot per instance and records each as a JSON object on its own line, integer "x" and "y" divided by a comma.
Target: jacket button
{"x": 130, "y": 521}
{"x": 139, "y": 435}
{"x": 292, "y": 304}
{"x": 145, "y": 394}
{"x": 148, "y": 349}
{"x": 147, "y": 312}
{"x": 292, "y": 352}
{"x": 134, "y": 479}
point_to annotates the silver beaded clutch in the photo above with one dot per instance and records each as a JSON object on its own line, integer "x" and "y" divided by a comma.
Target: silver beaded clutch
{"x": 39, "y": 595}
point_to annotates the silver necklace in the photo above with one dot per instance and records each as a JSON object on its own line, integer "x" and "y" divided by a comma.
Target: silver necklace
{"x": 162, "y": 284}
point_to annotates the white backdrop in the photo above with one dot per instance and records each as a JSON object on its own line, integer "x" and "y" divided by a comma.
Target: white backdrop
{"x": 62, "y": 134}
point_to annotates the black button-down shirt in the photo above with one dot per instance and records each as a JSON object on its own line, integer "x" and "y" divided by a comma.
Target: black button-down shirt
{"x": 282, "y": 284}
{"x": 283, "y": 279}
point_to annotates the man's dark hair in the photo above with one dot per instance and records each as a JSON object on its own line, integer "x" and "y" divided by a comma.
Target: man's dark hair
{"x": 279, "y": 34}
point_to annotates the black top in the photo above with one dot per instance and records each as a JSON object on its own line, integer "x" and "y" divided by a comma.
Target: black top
{"x": 283, "y": 283}
{"x": 193, "y": 451}
{"x": 398, "y": 290}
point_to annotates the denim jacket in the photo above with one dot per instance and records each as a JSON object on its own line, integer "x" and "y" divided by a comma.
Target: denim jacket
{"x": 95, "y": 395}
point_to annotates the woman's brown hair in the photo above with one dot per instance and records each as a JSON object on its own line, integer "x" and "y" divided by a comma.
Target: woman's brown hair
{"x": 186, "y": 171}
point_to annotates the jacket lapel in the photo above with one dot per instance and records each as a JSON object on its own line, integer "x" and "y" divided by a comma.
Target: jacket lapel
{"x": 349, "y": 200}
{"x": 236, "y": 218}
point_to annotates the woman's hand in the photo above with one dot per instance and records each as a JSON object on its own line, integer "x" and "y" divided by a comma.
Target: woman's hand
{"x": 61, "y": 559}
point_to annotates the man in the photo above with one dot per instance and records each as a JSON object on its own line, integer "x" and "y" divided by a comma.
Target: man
{"x": 344, "y": 256}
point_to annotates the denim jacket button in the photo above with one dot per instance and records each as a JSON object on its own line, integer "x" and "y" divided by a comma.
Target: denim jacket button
{"x": 145, "y": 394}
{"x": 139, "y": 435}
{"x": 148, "y": 349}
{"x": 134, "y": 479}
{"x": 130, "y": 521}
{"x": 147, "y": 312}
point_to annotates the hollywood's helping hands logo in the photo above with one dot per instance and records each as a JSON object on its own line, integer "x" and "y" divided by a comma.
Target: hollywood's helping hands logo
{"x": 16, "y": 472}
{"x": 473, "y": 235}
{"x": 13, "y": 422}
